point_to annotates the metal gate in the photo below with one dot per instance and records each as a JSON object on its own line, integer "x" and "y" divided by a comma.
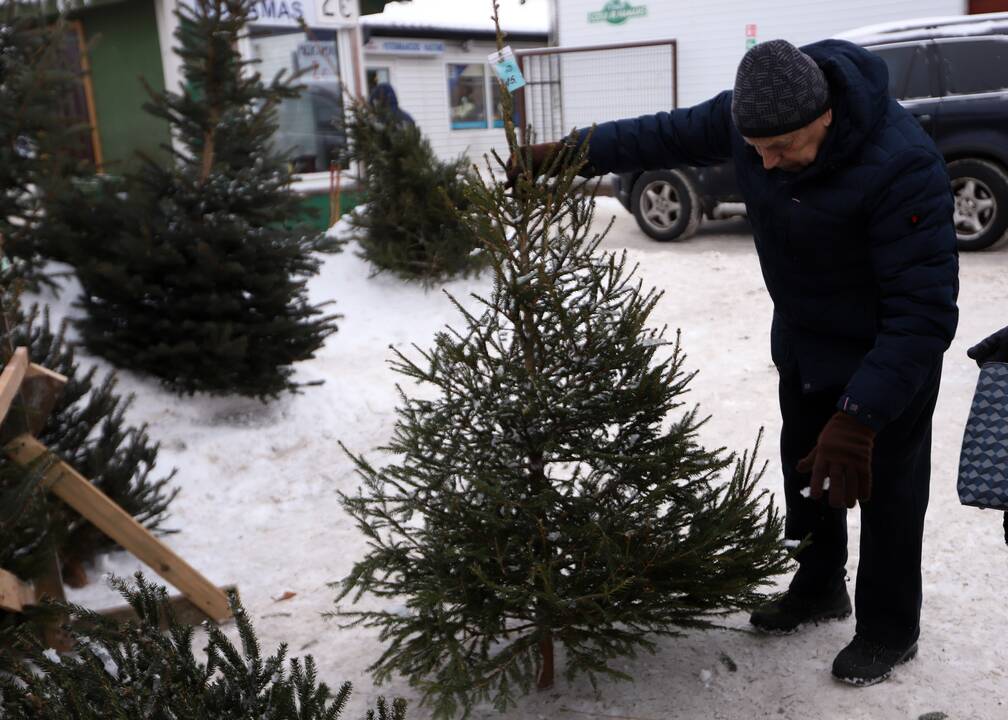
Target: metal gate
{"x": 577, "y": 86}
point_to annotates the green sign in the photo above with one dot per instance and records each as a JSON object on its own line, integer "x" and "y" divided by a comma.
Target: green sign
{"x": 617, "y": 12}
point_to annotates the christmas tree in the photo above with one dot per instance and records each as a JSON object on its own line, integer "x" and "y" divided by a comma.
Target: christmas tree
{"x": 134, "y": 670}
{"x": 87, "y": 428}
{"x": 409, "y": 227}
{"x": 36, "y": 142}
{"x": 547, "y": 492}
{"x": 200, "y": 280}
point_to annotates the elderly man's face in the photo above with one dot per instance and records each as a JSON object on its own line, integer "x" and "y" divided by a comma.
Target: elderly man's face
{"x": 795, "y": 150}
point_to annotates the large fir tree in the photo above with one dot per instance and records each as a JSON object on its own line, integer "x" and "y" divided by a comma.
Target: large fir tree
{"x": 414, "y": 223}
{"x": 550, "y": 491}
{"x": 134, "y": 670}
{"x": 35, "y": 140}
{"x": 201, "y": 282}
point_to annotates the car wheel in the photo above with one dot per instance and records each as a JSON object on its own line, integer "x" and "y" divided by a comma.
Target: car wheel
{"x": 666, "y": 205}
{"x": 981, "y": 203}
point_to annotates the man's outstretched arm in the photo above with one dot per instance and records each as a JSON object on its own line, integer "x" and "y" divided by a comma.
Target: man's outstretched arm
{"x": 699, "y": 135}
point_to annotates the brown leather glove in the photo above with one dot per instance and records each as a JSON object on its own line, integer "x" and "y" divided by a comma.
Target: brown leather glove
{"x": 843, "y": 454}
{"x": 536, "y": 156}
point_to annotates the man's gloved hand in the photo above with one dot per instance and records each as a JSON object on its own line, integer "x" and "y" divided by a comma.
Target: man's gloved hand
{"x": 991, "y": 349}
{"x": 537, "y": 157}
{"x": 843, "y": 454}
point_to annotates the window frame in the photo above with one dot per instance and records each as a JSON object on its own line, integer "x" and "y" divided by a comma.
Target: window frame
{"x": 313, "y": 181}
{"x": 76, "y": 28}
{"x": 922, "y": 51}
{"x": 369, "y": 68}
{"x": 946, "y": 93}
{"x": 490, "y": 81}
{"x": 487, "y": 112}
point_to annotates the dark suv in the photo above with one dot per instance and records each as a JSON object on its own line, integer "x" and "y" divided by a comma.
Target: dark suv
{"x": 951, "y": 74}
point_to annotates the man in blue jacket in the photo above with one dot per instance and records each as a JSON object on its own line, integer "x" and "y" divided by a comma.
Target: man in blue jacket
{"x": 851, "y": 214}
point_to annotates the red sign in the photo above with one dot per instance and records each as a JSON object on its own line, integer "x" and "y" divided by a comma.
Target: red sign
{"x": 750, "y": 30}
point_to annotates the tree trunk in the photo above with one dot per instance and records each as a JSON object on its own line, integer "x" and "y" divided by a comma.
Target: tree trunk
{"x": 546, "y": 653}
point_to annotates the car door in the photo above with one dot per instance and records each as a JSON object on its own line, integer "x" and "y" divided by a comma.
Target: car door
{"x": 974, "y": 81}
{"x": 972, "y": 134}
{"x": 913, "y": 78}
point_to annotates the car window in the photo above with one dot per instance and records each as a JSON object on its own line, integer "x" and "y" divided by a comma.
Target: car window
{"x": 976, "y": 65}
{"x": 908, "y": 70}
{"x": 919, "y": 79}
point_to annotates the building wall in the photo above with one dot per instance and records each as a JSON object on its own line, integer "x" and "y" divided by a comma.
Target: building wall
{"x": 421, "y": 84}
{"x": 711, "y": 35}
{"x": 123, "y": 46}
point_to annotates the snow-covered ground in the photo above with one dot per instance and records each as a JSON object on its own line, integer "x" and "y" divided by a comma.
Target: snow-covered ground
{"x": 258, "y": 506}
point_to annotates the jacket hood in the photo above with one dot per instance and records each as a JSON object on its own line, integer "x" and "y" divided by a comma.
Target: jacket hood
{"x": 384, "y": 94}
{"x": 859, "y": 92}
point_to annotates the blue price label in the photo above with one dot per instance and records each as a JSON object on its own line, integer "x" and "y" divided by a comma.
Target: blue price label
{"x": 507, "y": 69}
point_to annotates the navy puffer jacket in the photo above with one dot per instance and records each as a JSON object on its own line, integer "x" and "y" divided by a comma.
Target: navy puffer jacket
{"x": 858, "y": 250}
{"x": 384, "y": 95}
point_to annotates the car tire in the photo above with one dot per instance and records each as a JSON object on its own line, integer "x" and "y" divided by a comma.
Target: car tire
{"x": 980, "y": 189}
{"x": 666, "y": 205}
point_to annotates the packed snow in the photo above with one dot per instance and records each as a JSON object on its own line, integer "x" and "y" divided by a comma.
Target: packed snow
{"x": 258, "y": 506}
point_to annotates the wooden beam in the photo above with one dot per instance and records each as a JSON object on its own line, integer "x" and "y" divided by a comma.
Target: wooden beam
{"x": 40, "y": 392}
{"x": 75, "y": 490}
{"x": 10, "y": 379}
{"x": 15, "y": 594}
{"x": 182, "y": 607}
{"x": 49, "y": 584}
{"x": 35, "y": 370}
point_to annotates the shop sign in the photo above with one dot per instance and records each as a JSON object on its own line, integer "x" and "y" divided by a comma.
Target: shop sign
{"x": 405, "y": 47}
{"x": 321, "y": 58}
{"x": 315, "y": 13}
{"x": 617, "y": 12}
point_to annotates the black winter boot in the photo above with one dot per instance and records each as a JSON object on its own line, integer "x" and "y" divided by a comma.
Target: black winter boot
{"x": 866, "y": 662}
{"x": 787, "y": 613}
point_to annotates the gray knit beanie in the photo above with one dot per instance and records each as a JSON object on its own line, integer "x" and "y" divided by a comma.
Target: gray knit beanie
{"x": 778, "y": 88}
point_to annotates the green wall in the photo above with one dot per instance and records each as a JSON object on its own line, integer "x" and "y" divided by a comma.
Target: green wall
{"x": 123, "y": 42}
{"x": 317, "y": 207}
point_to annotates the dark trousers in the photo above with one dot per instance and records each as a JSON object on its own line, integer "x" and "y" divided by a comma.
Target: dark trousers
{"x": 887, "y": 598}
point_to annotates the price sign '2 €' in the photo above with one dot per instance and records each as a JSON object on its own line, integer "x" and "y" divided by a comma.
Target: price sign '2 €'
{"x": 336, "y": 13}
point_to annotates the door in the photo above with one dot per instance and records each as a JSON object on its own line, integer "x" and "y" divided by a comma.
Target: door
{"x": 913, "y": 78}
{"x": 974, "y": 78}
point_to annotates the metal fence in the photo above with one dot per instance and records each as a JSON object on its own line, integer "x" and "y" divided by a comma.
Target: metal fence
{"x": 577, "y": 86}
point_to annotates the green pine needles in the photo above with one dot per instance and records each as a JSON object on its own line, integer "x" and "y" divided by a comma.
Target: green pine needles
{"x": 134, "y": 670}
{"x": 88, "y": 429}
{"x": 37, "y": 150}
{"x": 200, "y": 278}
{"x": 551, "y": 490}
{"x": 414, "y": 224}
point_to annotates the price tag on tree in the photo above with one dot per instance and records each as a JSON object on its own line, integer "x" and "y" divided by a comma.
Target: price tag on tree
{"x": 507, "y": 69}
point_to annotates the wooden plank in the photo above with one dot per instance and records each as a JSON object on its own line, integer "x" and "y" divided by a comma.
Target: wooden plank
{"x": 75, "y": 490}
{"x": 85, "y": 68}
{"x": 35, "y": 370}
{"x": 182, "y": 607}
{"x": 10, "y": 379}
{"x": 15, "y": 594}
{"x": 49, "y": 584}
{"x": 39, "y": 394}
